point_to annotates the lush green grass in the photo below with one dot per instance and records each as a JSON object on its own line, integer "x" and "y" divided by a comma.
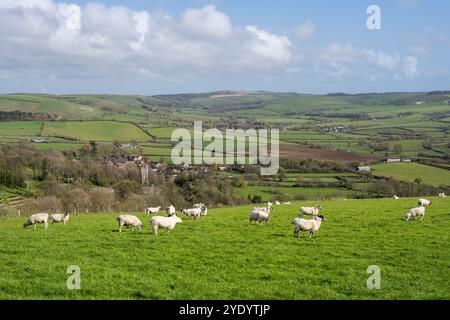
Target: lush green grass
{"x": 223, "y": 257}
{"x": 267, "y": 192}
{"x": 20, "y": 128}
{"x": 58, "y": 146}
{"x": 411, "y": 171}
{"x": 46, "y": 104}
{"x": 96, "y": 130}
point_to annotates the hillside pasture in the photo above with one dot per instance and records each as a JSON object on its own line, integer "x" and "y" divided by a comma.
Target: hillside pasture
{"x": 95, "y": 130}
{"x": 411, "y": 171}
{"x": 223, "y": 257}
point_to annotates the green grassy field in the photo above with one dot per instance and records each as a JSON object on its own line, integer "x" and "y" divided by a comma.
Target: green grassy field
{"x": 300, "y": 117}
{"x": 411, "y": 171}
{"x": 96, "y": 130}
{"x": 223, "y": 257}
{"x": 267, "y": 192}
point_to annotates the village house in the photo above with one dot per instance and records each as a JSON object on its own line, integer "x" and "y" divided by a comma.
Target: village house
{"x": 363, "y": 169}
{"x": 38, "y": 140}
{"x": 335, "y": 129}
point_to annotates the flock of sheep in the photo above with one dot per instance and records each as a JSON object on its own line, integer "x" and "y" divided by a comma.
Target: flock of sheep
{"x": 157, "y": 222}
{"x": 200, "y": 210}
{"x": 312, "y": 226}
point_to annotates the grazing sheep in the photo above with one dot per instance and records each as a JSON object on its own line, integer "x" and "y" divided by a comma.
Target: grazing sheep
{"x": 267, "y": 209}
{"x": 259, "y": 215}
{"x": 171, "y": 210}
{"x": 153, "y": 210}
{"x": 195, "y": 212}
{"x": 442, "y": 195}
{"x": 164, "y": 222}
{"x": 310, "y": 211}
{"x": 129, "y": 220}
{"x": 308, "y": 225}
{"x": 396, "y": 197}
{"x": 36, "y": 219}
{"x": 57, "y": 217}
{"x": 424, "y": 202}
{"x": 414, "y": 213}
{"x": 277, "y": 203}
{"x": 288, "y": 202}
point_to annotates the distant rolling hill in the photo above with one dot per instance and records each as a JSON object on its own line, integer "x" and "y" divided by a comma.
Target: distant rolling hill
{"x": 372, "y": 123}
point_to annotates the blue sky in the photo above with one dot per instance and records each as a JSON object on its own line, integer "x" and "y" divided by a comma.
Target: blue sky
{"x": 168, "y": 46}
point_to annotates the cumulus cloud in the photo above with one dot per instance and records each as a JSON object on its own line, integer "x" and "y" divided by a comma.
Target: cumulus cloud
{"x": 105, "y": 40}
{"x": 382, "y": 59}
{"x": 55, "y": 40}
{"x": 208, "y": 21}
{"x": 269, "y": 46}
{"x": 339, "y": 55}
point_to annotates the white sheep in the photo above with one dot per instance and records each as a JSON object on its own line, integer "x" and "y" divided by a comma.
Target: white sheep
{"x": 442, "y": 195}
{"x": 267, "y": 209}
{"x": 277, "y": 203}
{"x": 424, "y": 202}
{"x": 171, "y": 210}
{"x": 129, "y": 220}
{"x": 259, "y": 216}
{"x": 58, "y": 217}
{"x": 198, "y": 205}
{"x": 310, "y": 211}
{"x": 37, "y": 219}
{"x": 164, "y": 222}
{"x": 194, "y": 213}
{"x": 414, "y": 213}
{"x": 153, "y": 210}
{"x": 395, "y": 197}
{"x": 308, "y": 225}
{"x": 287, "y": 202}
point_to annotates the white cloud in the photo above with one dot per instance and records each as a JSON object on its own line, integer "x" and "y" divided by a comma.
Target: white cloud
{"x": 70, "y": 16}
{"x": 305, "y": 31}
{"x": 96, "y": 39}
{"x": 409, "y": 67}
{"x": 382, "y": 59}
{"x": 343, "y": 59}
{"x": 269, "y": 46}
{"x": 208, "y": 21}
{"x": 27, "y": 4}
{"x": 43, "y": 38}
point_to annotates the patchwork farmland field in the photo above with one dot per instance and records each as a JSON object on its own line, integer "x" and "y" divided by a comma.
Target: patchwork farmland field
{"x": 368, "y": 120}
{"x": 411, "y": 171}
{"x": 223, "y": 257}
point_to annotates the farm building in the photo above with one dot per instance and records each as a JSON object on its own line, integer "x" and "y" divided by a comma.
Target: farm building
{"x": 363, "y": 169}
{"x": 396, "y": 160}
{"x": 335, "y": 129}
{"x": 37, "y": 140}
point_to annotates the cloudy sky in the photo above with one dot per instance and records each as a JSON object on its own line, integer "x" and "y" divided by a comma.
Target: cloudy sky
{"x": 170, "y": 46}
